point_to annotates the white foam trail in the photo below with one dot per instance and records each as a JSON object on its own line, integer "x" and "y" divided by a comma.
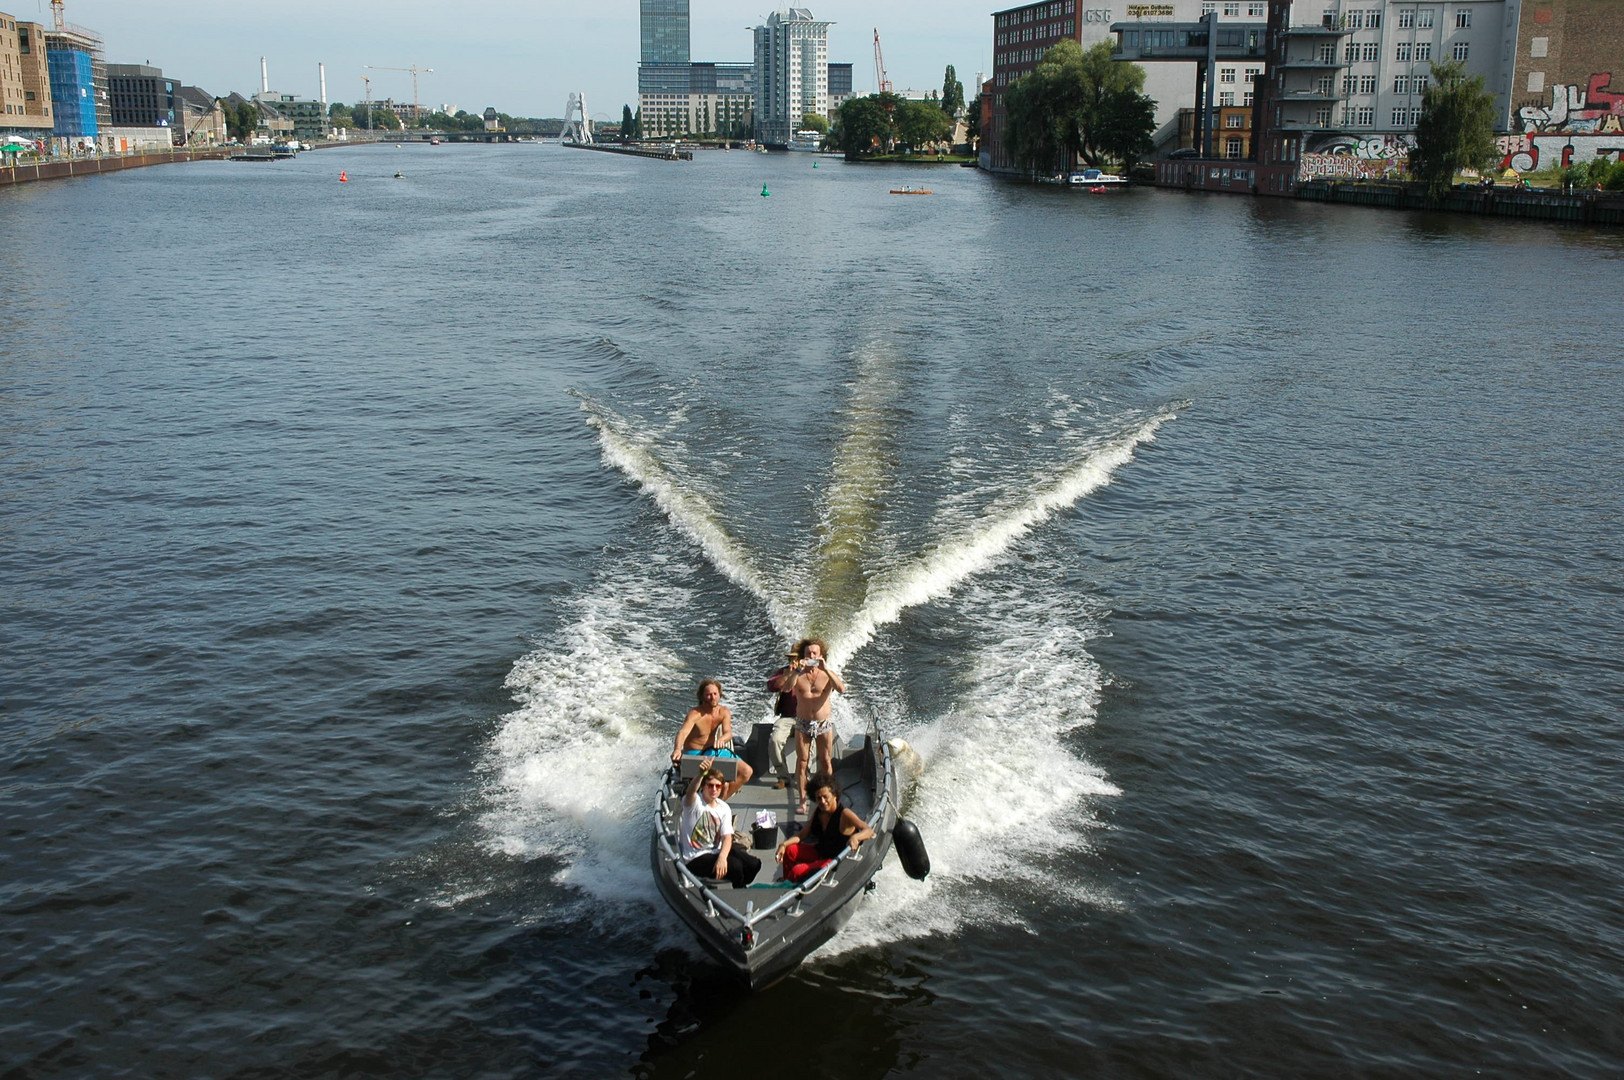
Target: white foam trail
{"x": 685, "y": 508}
{"x": 940, "y": 570}
{"x": 573, "y": 768}
{"x": 1001, "y": 794}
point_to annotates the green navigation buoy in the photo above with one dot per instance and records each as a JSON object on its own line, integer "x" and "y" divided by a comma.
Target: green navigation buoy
{"x": 814, "y": 164}
{"x": 764, "y": 191}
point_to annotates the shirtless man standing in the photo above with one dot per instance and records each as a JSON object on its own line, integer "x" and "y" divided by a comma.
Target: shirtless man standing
{"x": 707, "y": 731}
{"x": 814, "y": 687}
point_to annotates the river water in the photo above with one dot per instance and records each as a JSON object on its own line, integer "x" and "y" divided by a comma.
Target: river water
{"x": 1246, "y": 574}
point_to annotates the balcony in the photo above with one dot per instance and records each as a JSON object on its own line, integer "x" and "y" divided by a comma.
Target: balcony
{"x": 1312, "y": 125}
{"x": 1316, "y": 32}
{"x": 1311, "y": 63}
{"x": 1315, "y": 95}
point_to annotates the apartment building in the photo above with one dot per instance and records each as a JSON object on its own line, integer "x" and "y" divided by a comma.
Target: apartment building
{"x": 25, "y": 82}
{"x": 791, "y": 73}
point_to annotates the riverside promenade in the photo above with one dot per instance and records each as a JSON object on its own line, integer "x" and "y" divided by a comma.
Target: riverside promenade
{"x": 62, "y": 168}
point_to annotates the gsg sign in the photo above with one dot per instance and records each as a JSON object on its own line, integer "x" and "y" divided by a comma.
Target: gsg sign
{"x": 1097, "y": 15}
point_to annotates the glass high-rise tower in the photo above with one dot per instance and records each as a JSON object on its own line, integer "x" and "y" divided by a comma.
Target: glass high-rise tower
{"x": 665, "y": 31}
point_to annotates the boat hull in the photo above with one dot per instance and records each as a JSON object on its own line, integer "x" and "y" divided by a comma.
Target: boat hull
{"x": 763, "y": 932}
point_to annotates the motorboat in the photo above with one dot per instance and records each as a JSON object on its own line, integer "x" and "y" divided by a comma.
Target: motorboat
{"x": 763, "y": 931}
{"x": 1095, "y": 180}
{"x": 910, "y": 190}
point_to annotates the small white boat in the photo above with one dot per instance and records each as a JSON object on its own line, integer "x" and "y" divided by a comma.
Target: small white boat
{"x": 1094, "y": 178}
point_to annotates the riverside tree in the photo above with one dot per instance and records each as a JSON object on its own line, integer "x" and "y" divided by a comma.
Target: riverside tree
{"x": 952, "y": 93}
{"x": 1079, "y": 104}
{"x": 628, "y": 125}
{"x": 1455, "y": 130}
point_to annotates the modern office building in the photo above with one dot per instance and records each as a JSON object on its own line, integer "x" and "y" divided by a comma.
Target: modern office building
{"x": 791, "y": 73}
{"x": 664, "y": 26}
{"x": 840, "y": 87}
{"x": 140, "y": 96}
{"x": 25, "y": 81}
{"x": 678, "y": 97}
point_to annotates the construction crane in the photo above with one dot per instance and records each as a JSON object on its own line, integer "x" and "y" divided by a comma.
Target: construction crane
{"x": 366, "y": 83}
{"x": 882, "y": 83}
{"x": 417, "y": 110}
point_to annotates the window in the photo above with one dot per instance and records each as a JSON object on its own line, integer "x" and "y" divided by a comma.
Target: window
{"x": 1423, "y": 18}
{"x": 1234, "y": 120}
{"x": 1209, "y": 7}
{"x": 1350, "y": 54}
{"x": 1403, "y": 54}
{"x": 1227, "y": 97}
{"x": 1348, "y": 83}
{"x": 1373, "y": 19}
{"x": 1252, "y": 74}
{"x": 1398, "y": 117}
{"x": 1366, "y": 116}
{"x": 1327, "y": 53}
{"x": 1367, "y": 84}
{"x": 1246, "y": 98}
{"x": 1421, "y": 82}
{"x": 1463, "y": 18}
{"x": 1423, "y": 50}
{"x": 1322, "y": 117}
{"x": 1353, "y": 20}
{"x": 1226, "y": 75}
{"x": 1232, "y": 9}
{"x": 1401, "y": 84}
{"x": 1233, "y": 147}
{"x": 1254, "y": 11}
{"x": 1373, "y": 50}
{"x": 1461, "y": 50}
{"x": 1406, "y": 19}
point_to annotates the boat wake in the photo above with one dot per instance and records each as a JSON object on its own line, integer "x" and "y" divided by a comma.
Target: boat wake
{"x": 1005, "y": 787}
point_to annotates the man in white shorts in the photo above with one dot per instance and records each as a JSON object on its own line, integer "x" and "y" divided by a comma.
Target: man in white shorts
{"x": 814, "y": 688}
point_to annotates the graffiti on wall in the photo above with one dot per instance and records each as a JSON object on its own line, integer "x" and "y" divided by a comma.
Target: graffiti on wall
{"x": 1578, "y": 126}
{"x": 1591, "y": 111}
{"x": 1393, "y": 147}
{"x": 1348, "y": 167}
{"x": 1529, "y": 152}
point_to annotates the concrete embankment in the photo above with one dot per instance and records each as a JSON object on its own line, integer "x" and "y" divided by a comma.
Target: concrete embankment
{"x": 1580, "y": 207}
{"x": 60, "y": 170}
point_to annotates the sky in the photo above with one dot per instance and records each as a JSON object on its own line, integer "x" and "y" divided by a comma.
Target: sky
{"x": 522, "y": 56}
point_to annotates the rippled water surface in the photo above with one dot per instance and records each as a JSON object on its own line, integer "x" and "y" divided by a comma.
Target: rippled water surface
{"x": 1246, "y": 574}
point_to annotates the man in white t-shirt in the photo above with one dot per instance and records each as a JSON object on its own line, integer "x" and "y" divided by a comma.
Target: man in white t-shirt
{"x": 706, "y": 834}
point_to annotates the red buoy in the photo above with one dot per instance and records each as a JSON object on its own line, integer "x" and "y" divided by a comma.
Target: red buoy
{"x": 343, "y": 177}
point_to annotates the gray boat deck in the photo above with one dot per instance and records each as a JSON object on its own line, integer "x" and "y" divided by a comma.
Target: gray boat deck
{"x": 760, "y": 794}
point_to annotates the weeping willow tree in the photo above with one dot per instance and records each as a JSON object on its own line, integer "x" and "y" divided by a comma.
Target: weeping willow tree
{"x": 1455, "y": 130}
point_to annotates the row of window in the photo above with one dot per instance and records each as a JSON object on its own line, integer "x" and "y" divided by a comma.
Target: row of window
{"x": 1232, "y": 9}
{"x": 1036, "y": 14}
{"x": 1227, "y": 75}
{"x": 1408, "y": 19}
{"x": 1227, "y": 97}
{"x": 1038, "y": 33}
{"x": 1404, "y": 52}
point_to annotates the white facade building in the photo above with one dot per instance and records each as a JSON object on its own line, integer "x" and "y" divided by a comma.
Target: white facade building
{"x": 791, "y": 73}
{"x": 1355, "y": 70}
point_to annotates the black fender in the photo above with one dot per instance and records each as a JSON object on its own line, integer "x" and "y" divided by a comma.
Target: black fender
{"x": 910, "y": 849}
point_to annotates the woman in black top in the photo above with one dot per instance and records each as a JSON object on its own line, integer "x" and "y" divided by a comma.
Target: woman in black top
{"x": 830, "y": 829}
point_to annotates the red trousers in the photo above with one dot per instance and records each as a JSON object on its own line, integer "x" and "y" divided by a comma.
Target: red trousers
{"x": 801, "y": 861}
